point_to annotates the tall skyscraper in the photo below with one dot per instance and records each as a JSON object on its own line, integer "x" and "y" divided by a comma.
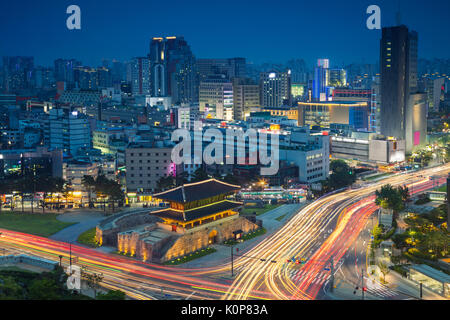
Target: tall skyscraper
{"x": 140, "y": 76}
{"x": 275, "y": 88}
{"x": 158, "y": 66}
{"x": 230, "y": 68}
{"x": 17, "y": 73}
{"x": 403, "y": 109}
{"x": 173, "y": 70}
{"x": 320, "y": 81}
{"x": 65, "y": 71}
{"x": 86, "y": 78}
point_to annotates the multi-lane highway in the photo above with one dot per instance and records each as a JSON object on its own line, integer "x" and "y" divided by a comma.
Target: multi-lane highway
{"x": 320, "y": 234}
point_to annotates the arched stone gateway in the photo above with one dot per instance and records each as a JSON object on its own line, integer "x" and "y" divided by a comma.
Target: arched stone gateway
{"x": 212, "y": 238}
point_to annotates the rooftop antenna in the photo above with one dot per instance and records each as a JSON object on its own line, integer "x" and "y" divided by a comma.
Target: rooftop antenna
{"x": 398, "y": 16}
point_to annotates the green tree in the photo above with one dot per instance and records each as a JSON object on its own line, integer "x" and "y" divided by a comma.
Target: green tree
{"x": 112, "y": 295}
{"x": 199, "y": 175}
{"x": 404, "y": 193}
{"x": 44, "y": 289}
{"x": 384, "y": 269}
{"x": 10, "y": 289}
{"x": 342, "y": 175}
{"x": 181, "y": 178}
{"x": 165, "y": 183}
{"x": 229, "y": 178}
{"x": 389, "y": 197}
{"x": 89, "y": 184}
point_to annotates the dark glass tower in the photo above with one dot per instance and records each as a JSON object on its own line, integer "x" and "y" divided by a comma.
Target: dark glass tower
{"x": 173, "y": 70}
{"x": 398, "y": 61}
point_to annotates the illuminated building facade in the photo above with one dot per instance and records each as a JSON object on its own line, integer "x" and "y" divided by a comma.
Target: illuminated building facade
{"x": 199, "y": 215}
{"x": 275, "y": 88}
{"x": 323, "y": 114}
{"x": 289, "y": 112}
{"x": 298, "y": 90}
{"x": 245, "y": 98}
{"x": 360, "y": 95}
{"x": 216, "y": 98}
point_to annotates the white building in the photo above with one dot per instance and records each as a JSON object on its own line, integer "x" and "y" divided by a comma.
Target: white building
{"x": 310, "y": 152}
{"x": 68, "y": 131}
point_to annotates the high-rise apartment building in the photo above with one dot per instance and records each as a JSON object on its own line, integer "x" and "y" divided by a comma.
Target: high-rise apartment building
{"x": 140, "y": 76}
{"x": 86, "y": 78}
{"x": 65, "y": 71}
{"x": 275, "y": 88}
{"x": 17, "y": 73}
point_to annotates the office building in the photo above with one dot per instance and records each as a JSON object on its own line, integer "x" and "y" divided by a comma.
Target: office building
{"x": 434, "y": 87}
{"x": 309, "y": 152}
{"x": 47, "y": 163}
{"x": 403, "y": 110}
{"x": 146, "y": 164}
{"x": 320, "y": 81}
{"x": 216, "y": 98}
{"x": 173, "y": 70}
{"x": 246, "y": 98}
{"x": 275, "y": 88}
{"x": 323, "y": 114}
{"x": 337, "y": 78}
{"x": 230, "y": 68}
{"x": 68, "y": 130}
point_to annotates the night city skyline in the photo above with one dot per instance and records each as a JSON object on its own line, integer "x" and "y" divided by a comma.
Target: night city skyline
{"x": 211, "y": 157}
{"x": 113, "y": 30}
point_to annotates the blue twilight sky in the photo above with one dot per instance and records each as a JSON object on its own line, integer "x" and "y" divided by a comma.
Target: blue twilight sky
{"x": 261, "y": 31}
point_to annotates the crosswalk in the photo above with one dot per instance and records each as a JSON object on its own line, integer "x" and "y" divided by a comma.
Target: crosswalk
{"x": 375, "y": 288}
{"x": 301, "y": 275}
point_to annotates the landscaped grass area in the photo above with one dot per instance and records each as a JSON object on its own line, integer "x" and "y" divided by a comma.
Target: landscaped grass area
{"x": 191, "y": 256}
{"x": 260, "y": 211}
{"x": 38, "y": 224}
{"x": 246, "y": 237}
{"x": 88, "y": 238}
{"x": 281, "y": 217}
{"x": 442, "y": 189}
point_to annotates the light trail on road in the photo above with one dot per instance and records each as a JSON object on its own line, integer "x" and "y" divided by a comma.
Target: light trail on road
{"x": 303, "y": 236}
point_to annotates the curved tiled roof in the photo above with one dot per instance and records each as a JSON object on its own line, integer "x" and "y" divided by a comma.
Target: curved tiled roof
{"x": 197, "y": 213}
{"x": 197, "y": 191}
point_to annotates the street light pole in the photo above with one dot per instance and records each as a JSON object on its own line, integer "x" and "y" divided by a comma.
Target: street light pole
{"x": 421, "y": 292}
{"x": 362, "y": 283}
{"x": 332, "y": 273}
{"x": 70, "y": 255}
{"x": 232, "y": 273}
